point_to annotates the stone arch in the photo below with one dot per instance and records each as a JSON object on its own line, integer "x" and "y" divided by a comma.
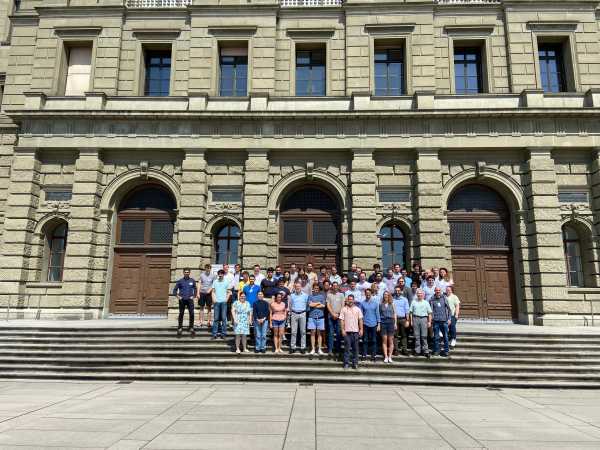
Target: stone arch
{"x": 118, "y": 188}
{"x": 211, "y": 228}
{"x": 49, "y": 220}
{"x": 293, "y": 180}
{"x": 506, "y": 186}
{"x": 589, "y": 250}
{"x": 406, "y": 226}
{"x": 40, "y": 248}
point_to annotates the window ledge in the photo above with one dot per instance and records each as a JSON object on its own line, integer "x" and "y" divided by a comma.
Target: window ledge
{"x": 45, "y": 284}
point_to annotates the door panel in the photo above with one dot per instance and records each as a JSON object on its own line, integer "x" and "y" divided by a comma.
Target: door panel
{"x": 499, "y": 286}
{"x": 465, "y": 277}
{"x": 127, "y": 283}
{"x": 156, "y": 284}
{"x": 302, "y": 256}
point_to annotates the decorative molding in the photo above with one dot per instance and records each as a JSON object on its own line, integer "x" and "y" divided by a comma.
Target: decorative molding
{"x": 232, "y": 31}
{"x": 469, "y": 30}
{"x": 566, "y": 26}
{"x": 156, "y": 34}
{"x": 77, "y": 32}
{"x": 390, "y": 29}
{"x": 310, "y": 33}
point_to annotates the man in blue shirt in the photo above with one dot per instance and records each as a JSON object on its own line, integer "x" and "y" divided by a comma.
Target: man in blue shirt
{"x": 251, "y": 290}
{"x": 401, "y": 307}
{"x": 186, "y": 291}
{"x": 221, "y": 293}
{"x": 298, "y": 306}
{"x": 316, "y": 319}
{"x": 371, "y": 320}
{"x": 441, "y": 316}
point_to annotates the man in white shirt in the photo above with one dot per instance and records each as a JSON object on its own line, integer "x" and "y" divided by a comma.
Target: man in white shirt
{"x": 258, "y": 277}
{"x": 334, "y": 277}
{"x": 362, "y": 285}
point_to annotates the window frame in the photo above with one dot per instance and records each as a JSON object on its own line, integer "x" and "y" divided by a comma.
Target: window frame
{"x": 144, "y": 83}
{"x": 73, "y": 37}
{"x": 580, "y": 269}
{"x": 50, "y": 237}
{"x": 229, "y": 238}
{"x": 223, "y": 45}
{"x": 311, "y": 48}
{"x": 565, "y": 37}
{"x": 387, "y": 46}
{"x": 456, "y": 40}
{"x": 393, "y": 225}
{"x": 155, "y": 40}
{"x": 309, "y": 43}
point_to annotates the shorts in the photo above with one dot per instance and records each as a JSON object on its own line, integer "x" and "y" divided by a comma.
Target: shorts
{"x": 387, "y": 328}
{"x": 205, "y": 300}
{"x": 278, "y": 323}
{"x": 316, "y": 324}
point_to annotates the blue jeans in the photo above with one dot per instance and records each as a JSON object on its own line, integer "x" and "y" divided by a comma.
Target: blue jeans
{"x": 370, "y": 341}
{"x": 452, "y": 329}
{"x": 351, "y": 348}
{"x": 334, "y": 338}
{"x": 438, "y": 326}
{"x": 220, "y": 318}
{"x": 261, "y": 334}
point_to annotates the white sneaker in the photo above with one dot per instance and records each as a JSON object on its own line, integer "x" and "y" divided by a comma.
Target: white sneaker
{"x": 238, "y": 351}
{"x": 390, "y": 360}
{"x": 386, "y": 360}
{"x": 246, "y": 351}
{"x": 320, "y": 352}
{"x": 453, "y": 343}
{"x": 312, "y": 352}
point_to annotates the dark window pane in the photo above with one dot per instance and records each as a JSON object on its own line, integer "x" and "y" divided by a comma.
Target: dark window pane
{"x": 462, "y": 234}
{"x": 149, "y": 198}
{"x": 132, "y": 232}
{"x": 309, "y": 198}
{"x": 161, "y": 232}
{"x": 493, "y": 234}
{"x": 324, "y": 233}
{"x": 227, "y": 196}
{"x": 58, "y": 196}
{"x": 310, "y": 73}
{"x": 392, "y": 245}
{"x": 295, "y": 231}
{"x": 158, "y": 72}
{"x": 552, "y": 68}
{"x": 468, "y": 70}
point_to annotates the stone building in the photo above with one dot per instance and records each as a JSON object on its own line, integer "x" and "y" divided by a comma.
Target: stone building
{"x": 139, "y": 137}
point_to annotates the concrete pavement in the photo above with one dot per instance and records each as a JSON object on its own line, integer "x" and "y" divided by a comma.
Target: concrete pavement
{"x": 44, "y": 415}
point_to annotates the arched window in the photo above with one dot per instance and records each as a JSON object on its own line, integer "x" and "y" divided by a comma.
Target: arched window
{"x": 393, "y": 248}
{"x": 57, "y": 246}
{"x": 227, "y": 244}
{"x": 572, "y": 246}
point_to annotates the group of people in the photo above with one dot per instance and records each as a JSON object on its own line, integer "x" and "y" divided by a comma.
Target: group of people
{"x": 376, "y": 310}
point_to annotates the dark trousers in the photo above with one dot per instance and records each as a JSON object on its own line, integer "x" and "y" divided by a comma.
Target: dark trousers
{"x": 334, "y": 341}
{"x": 440, "y": 325}
{"x": 230, "y": 302}
{"x": 369, "y": 341}
{"x": 351, "y": 348}
{"x": 189, "y": 304}
{"x": 452, "y": 328}
{"x": 402, "y": 334}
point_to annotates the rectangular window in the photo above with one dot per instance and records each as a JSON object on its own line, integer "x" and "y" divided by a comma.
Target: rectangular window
{"x": 389, "y": 71}
{"x": 58, "y": 195}
{"x": 573, "y": 197}
{"x": 79, "y": 69}
{"x": 468, "y": 73}
{"x": 394, "y": 196}
{"x": 158, "y": 72}
{"x": 227, "y": 196}
{"x": 552, "y": 67}
{"x": 310, "y": 72}
{"x": 233, "y": 64}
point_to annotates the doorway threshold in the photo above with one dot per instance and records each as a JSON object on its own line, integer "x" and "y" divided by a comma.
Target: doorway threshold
{"x": 136, "y": 317}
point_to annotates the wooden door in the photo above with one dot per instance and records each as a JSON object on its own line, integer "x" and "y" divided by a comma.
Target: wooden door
{"x": 301, "y": 257}
{"x": 157, "y": 275}
{"x": 466, "y": 279}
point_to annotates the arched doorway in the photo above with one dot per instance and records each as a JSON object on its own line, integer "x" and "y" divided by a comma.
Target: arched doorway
{"x": 142, "y": 256}
{"x": 482, "y": 253}
{"x": 309, "y": 228}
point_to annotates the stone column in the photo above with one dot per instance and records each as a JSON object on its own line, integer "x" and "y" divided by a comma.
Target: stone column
{"x": 363, "y": 181}
{"x": 22, "y": 201}
{"x": 546, "y": 265}
{"x": 191, "y": 219}
{"x": 256, "y": 215}
{"x": 431, "y": 246}
{"x": 84, "y": 276}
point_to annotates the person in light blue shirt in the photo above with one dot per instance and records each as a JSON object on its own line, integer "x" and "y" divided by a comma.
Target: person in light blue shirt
{"x": 355, "y": 292}
{"x": 429, "y": 288}
{"x": 420, "y": 320}
{"x": 401, "y": 306}
{"x": 316, "y": 319}
{"x": 371, "y": 321}
{"x": 221, "y": 293}
{"x": 251, "y": 290}
{"x": 298, "y": 306}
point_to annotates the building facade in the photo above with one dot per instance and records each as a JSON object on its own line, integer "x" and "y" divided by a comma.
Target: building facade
{"x": 140, "y": 137}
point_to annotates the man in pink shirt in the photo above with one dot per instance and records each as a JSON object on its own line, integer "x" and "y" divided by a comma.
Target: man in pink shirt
{"x": 351, "y": 324}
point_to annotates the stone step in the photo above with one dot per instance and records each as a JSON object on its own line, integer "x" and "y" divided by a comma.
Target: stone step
{"x": 317, "y": 372}
{"x": 168, "y": 364}
{"x": 350, "y": 376}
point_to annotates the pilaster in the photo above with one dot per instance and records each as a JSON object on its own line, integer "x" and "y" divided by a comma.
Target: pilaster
{"x": 431, "y": 247}
{"x": 22, "y": 201}
{"x": 191, "y": 220}
{"x": 363, "y": 181}
{"x": 84, "y": 276}
{"x": 546, "y": 263}
{"x": 255, "y": 212}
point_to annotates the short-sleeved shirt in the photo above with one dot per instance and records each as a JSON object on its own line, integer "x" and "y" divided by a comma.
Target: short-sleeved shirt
{"x": 401, "y": 305}
{"x": 351, "y": 316}
{"x": 420, "y": 308}
{"x": 440, "y": 309}
{"x": 335, "y": 301}
{"x": 269, "y": 287}
{"x": 429, "y": 291}
{"x": 358, "y": 295}
{"x": 206, "y": 282}
{"x": 316, "y": 313}
{"x": 251, "y": 291}
{"x": 362, "y": 287}
{"x": 220, "y": 289}
{"x": 370, "y": 310}
{"x": 298, "y": 302}
{"x": 278, "y": 311}
{"x": 335, "y": 279}
{"x": 453, "y": 301}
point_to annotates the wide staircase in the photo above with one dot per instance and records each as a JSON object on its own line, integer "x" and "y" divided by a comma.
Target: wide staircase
{"x": 481, "y": 358}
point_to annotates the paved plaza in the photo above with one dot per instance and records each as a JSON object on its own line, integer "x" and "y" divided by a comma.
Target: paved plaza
{"x": 289, "y": 416}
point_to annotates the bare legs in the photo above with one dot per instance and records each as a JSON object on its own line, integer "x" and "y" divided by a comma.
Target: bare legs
{"x": 387, "y": 346}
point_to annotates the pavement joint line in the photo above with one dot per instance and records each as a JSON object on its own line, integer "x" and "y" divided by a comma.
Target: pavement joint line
{"x": 287, "y": 428}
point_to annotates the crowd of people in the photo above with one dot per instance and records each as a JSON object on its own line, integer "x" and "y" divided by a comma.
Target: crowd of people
{"x": 347, "y": 314}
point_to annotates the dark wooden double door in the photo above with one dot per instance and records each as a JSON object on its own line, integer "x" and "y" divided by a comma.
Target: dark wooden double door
{"x": 482, "y": 253}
